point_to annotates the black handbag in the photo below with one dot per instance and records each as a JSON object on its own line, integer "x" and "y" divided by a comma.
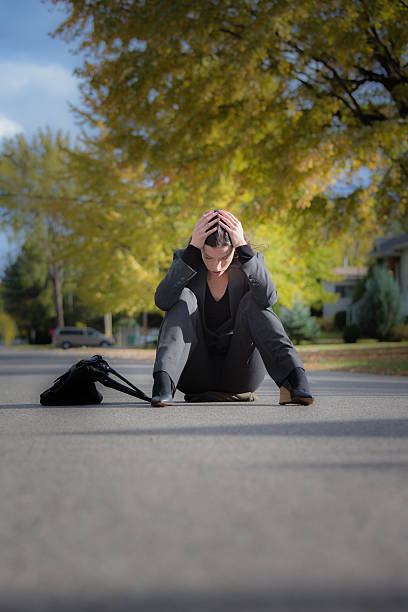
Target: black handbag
{"x": 77, "y": 385}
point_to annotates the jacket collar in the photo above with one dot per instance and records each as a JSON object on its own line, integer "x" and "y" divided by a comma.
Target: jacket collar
{"x": 236, "y": 286}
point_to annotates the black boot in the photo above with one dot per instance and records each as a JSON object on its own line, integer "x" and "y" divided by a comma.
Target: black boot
{"x": 295, "y": 389}
{"x": 163, "y": 389}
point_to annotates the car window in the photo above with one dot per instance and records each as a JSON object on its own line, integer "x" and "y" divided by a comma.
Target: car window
{"x": 71, "y": 332}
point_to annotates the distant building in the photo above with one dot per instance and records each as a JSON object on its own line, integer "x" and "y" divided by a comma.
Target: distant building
{"x": 394, "y": 253}
{"x": 348, "y": 277}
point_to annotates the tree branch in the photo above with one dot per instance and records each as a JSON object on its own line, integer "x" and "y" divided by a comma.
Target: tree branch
{"x": 347, "y": 85}
{"x": 364, "y": 118}
{"x": 226, "y": 31}
{"x": 387, "y": 61}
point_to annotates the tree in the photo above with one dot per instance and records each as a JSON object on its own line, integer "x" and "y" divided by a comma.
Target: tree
{"x": 102, "y": 231}
{"x": 268, "y": 101}
{"x": 299, "y": 324}
{"x": 27, "y": 296}
{"x": 121, "y": 238}
{"x": 36, "y": 190}
{"x": 8, "y": 328}
{"x": 380, "y": 309}
{"x": 296, "y": 266}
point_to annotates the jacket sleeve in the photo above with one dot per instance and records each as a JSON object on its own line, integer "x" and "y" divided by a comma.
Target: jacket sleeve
{"x": 260, "y": 282}
{"x": 178, "y": 276}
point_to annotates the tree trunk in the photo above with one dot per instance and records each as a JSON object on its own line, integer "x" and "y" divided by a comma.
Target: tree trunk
{"x": 144, "y": 328}
{"x": 57, "y": 275}
{"x": 107, "y": 318}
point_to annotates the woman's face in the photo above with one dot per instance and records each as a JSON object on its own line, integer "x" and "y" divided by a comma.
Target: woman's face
{"x": 217, "y": 259}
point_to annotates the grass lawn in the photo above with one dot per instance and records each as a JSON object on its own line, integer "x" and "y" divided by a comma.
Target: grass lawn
{"x": 368, "y": 356}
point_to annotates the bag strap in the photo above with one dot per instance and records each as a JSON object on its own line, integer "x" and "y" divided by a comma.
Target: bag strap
{"x": 114, "y": 384}
{"x": 103, "y": 377}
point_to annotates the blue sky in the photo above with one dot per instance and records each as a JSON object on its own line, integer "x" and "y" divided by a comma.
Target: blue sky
{"x": 36, "y": 75}
{"x": 36, "y": 71}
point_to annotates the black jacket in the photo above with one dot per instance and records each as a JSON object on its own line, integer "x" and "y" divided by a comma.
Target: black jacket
{"x": 249, "y": 276}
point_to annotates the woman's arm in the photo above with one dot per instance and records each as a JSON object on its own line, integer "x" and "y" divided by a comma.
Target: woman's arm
{"x": 260, "y": 282}
{"x": 178, "y": 276}
{"x": 185, "y": 263}
{"x": 252, "y": 263}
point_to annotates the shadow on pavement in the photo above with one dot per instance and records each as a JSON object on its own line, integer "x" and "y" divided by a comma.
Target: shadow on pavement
{"x": 341, "y": 465}
{"x": 139, "y": 404}
{"x": 387, "y": 428}
{"x": 341, "y": 600}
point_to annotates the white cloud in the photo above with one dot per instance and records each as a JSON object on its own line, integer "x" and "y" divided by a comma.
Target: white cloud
{"x": 20, "y": 77}
{"x": 35, "y": 95}
{"x": 9, "y": 128}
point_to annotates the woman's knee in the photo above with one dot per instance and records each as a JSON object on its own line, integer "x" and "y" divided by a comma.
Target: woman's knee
{"x": 249, "y": 304}
{"x": 186, "y": 306}
{"x": 182, "y": 316}
{"x": 189, "y": 298}
{"x": 259, "y": 317}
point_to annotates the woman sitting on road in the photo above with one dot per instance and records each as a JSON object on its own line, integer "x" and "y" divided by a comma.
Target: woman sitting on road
{"x": 220, "y": 335}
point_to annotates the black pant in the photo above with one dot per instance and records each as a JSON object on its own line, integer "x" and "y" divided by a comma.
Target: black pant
{"x": 258, "y": 343}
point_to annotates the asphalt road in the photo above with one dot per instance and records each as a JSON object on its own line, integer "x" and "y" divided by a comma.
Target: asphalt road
{"x": 235, "y": 507}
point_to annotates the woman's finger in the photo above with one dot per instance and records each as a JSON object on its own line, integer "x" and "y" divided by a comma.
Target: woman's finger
{"x": 212, "y": 220}
{"x": 226, "y": 226}
{"x": 234, "y": 228}
{"x": 226, "y": 213}
{"x": 203, "y": 222}
{"x": 229, "y": 217}
{"x": 208, "y": 217}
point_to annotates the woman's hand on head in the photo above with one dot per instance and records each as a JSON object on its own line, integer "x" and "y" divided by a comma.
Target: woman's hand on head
{"x": 233, "y": 226}
{"x": 203, "y": 228}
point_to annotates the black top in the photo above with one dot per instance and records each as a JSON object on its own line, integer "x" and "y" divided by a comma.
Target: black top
{"x": 215, "y": 313}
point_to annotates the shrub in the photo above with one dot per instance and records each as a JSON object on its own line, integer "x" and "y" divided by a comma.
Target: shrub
{"x": 360, "y": 288}
{"x": 299, "y": 324}
{"x": 351, "y": 333}
{"x": 8, "y": 328}
{"x": 326, "y": 324}
{"x": 340, "y": 320}
{"x": 380, "y": 309}
{"x": 400, "y": 332}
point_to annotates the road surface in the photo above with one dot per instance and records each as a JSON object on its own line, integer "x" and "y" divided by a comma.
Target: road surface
{"x": 235, "y": 507}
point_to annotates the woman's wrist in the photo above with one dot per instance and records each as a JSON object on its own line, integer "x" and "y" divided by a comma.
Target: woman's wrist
{"x": 244, "y": 253}
{"x": 192, "y": 256}
{"x": 196, "y": 246}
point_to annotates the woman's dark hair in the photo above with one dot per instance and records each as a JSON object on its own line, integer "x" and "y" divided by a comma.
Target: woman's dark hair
{"x": 219, "y": 238}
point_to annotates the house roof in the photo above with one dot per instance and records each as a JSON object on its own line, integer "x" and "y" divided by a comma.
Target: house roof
{"x": 385, "y": 247}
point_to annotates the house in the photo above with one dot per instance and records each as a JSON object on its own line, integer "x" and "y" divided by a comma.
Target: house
{"x": 348, "y": 277}
{"x": 394, "y": 253}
